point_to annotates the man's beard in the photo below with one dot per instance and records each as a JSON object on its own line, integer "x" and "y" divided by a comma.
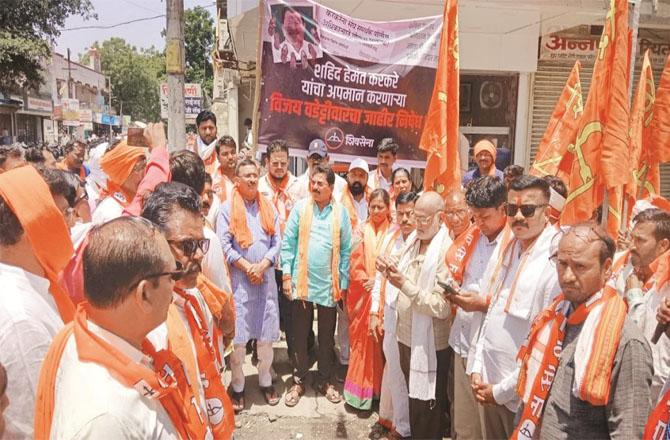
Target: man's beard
{"x": 356, "y": 188}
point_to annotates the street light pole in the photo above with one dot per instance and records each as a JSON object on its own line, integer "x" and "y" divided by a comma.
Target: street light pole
{"x": 175, "y": 74}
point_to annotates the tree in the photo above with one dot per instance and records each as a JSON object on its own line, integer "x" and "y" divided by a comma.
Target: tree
{"x": 135, "y": 77}
{"x": 199, "y": 44}
{"x": 27, "y": 29}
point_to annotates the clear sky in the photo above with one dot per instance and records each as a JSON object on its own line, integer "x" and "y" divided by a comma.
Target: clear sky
{"x": 110, "y": 12}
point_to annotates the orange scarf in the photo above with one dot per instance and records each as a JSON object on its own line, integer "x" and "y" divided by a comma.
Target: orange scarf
{"x": 28, "y": 196}
{"x": 220, "y": 305}
{"x": 460, "y": 251}
{"x": 657, "y": 423}
{"x": 219, "y": 408}
{"x": 540, "y": 356}
{"x": 280, "y": 198}
{"x": 118, "y": 164}
{"x": 304, "y": 230}
{"x": 386, "y": 250}
{"x": 222, "y": 185}
{"x": 372, "y": 242}
{"x": 238, "y": 218}
{"x": 347, "y": 201}
{"x": 167, "y": 382}
{"x": 503, "y": 245}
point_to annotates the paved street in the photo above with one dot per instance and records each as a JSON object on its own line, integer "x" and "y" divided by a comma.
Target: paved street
{"x": 313, "y": 418}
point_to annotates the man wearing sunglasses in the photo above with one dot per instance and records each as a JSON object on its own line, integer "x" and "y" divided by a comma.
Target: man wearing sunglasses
{"x": 248, "y": 227}
{"x": 520, "y": 283}
{"x": 201, "y": 320}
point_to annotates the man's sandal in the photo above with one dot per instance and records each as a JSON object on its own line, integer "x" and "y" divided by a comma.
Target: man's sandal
{"x": 271, "y": 397}
{"x": 330, "y": 393}
{"x": 237, "y": 399}
{"x": 293, "y": 395}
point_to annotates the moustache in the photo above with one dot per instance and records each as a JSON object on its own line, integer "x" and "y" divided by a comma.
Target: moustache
{"x": 191, "y": 267}
{"x": 518, "y": 223}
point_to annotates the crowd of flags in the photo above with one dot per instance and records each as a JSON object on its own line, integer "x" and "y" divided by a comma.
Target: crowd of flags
{"x": 606, "y": 148}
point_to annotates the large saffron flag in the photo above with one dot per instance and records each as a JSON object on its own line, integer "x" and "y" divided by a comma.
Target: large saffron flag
{"x": 645, "y": 179}
{"x": 660, "y": 125}
{"x": 440, "y": 136}
{"x": 562, "y": 127}
{"x": 600, "y": 148}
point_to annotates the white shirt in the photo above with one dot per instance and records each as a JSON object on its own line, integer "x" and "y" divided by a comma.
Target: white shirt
{"x": 643, "y": 314}
{"x": 459, "y": 336}
{"x": 361, "y": 209}
{"x": 301, "y": 189}
{"x": 383, "y": 183}
{"x": 503, "y": 333}
{"x": 107, "y": 210}
{"x": 29, "y": 320}
{"x": 391, "y": 293}
{"x": 214, "y": 265}
{"x": 91, "y": 404}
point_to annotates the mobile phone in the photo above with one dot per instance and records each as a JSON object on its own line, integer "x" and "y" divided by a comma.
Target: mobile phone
{"x": 136, "y": 137}
{"x": 447, "y": 288}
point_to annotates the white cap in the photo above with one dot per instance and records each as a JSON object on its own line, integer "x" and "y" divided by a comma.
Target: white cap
{"x": 360, "y": 164}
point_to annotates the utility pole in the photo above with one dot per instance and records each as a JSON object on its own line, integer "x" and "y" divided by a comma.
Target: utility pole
{"x": 175, "y": 72}
{"x": 69, "y": 76}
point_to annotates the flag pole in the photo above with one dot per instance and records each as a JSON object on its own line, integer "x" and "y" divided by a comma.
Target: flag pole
{"x": 634, "y": 18}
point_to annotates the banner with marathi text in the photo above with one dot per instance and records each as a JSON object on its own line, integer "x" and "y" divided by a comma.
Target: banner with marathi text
{"x": 347, "y": 81}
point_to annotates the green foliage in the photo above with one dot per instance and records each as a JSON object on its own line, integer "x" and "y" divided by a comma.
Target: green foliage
{"x": 135, "y": 76}
{"x": 198, "y": 44}
{"x": 27, "y": 27}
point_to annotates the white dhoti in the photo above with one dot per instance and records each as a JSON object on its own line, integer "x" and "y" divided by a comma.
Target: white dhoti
{"x": 394, "y": 400}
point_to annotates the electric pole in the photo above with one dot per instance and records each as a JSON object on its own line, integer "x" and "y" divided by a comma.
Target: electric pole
{"x": 175, "y": 74}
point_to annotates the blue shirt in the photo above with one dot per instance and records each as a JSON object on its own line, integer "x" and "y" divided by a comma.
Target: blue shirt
{"x": 320, "y": 250}
{"x": 475, "y": 174}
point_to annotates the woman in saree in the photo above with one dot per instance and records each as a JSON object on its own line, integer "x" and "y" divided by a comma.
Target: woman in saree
{"x": 366, "y": 363}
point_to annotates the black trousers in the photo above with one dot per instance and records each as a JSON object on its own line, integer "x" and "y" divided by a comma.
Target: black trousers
{"x": 302, "y": 313}
{"x": 426, "y": 418}
{"x": 285, "y": 318}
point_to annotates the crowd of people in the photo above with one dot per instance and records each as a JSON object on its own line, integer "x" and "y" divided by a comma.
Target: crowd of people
{"x": 131, "y": 278}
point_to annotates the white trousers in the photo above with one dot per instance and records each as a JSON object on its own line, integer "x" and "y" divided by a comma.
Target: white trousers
{"x": 394, "y": 400}
{"x": 343, "y": 335}
{"x": 265, "y": 356}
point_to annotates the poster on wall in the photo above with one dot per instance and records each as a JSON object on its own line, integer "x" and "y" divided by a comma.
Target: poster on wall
{"x": 347, "y": 81}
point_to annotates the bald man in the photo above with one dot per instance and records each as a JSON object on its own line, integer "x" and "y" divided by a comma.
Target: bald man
{"x": 485, "y": 157}
{"x": 422, "y": 310}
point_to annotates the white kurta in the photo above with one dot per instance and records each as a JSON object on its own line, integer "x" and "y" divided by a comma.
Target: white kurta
{"x": 107, "y": 210}
{"x": 300, "y": 189}
{"x": 91, "y": 404}
{"x": 503, "y": 332}
{"x": 29, "y": 320}
{"x": 214, "y": 265}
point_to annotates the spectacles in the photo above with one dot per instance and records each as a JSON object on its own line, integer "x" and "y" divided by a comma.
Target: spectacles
{"x": 526, "y": 210}
{"x": 190, "y": 246}
{"x": 81, "y": 198}
{"x": 175, "y": 275}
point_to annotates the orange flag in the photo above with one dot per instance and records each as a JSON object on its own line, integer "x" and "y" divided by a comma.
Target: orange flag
{"x": 645, "y": 179}
{"x": 440, "y": 137}
{"x": 660, "y": 126}
{"x": 600, "y": 148}
{"x": 562, "y": 127}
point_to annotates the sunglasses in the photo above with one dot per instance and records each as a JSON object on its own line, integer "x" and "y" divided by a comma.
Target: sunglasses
{"x": 526, "y": 210}
{"x": 190, "y": 246}
{"x": 175, "y": 275}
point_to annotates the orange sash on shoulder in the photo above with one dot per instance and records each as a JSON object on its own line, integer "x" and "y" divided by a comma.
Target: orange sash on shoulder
{"x": 238, "y": 218}
{"x": 460, "y": 251}
{"x": 304, "y": 230}
{"x": 540, "y": 355}
{"x": 29, "y": 198}
{"x": 219, "y": 407}
{"x": 167, "y": 382}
